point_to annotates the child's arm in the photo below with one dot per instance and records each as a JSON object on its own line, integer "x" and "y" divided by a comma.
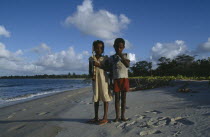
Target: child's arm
{"x": 109, "y": 67}
{"x": 90, "y": 69}
{"x": 124, "y": 60}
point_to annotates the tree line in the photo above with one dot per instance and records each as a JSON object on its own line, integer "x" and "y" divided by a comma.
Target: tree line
{"x": 184, "y": 65}
{"x": 45, "y": 76}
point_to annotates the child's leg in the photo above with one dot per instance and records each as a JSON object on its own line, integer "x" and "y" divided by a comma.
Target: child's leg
{"x": 95, "y": 119}
{"x": 117, "y": 105}
{"x": 96, "y": 106}
{"x": 104, "y": 120}
{"x": 123, "y": 105}
{"x": 106, "y": 105}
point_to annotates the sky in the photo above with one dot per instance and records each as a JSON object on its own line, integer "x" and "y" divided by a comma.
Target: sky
{"x": 56, "y": 36}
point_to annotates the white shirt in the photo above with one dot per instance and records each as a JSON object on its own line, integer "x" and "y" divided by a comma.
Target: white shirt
{"x": 119, "y": 69}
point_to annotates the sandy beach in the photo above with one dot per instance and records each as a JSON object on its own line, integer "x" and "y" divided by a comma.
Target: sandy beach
{"x": 160, "y": 112}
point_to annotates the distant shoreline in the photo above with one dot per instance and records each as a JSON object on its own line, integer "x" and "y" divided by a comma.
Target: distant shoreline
{"x": 45, "y": 78}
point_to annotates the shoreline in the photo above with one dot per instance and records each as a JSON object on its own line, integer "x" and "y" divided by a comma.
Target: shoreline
{"x": 153, "y": 112}
{"x": 25, "y": 100}
{"x": 12, "y": 95}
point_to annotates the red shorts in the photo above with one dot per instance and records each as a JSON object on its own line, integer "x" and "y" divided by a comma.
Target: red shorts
{"x": 121, "y": 84}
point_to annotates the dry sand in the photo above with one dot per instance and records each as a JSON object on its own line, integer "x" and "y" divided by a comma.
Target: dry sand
{"x": 160, "y": 112}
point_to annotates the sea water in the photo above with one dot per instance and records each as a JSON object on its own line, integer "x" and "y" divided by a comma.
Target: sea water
{"x": 13, "y": 91}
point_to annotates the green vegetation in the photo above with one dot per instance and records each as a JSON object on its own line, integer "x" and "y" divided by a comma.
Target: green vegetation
{"x": 141, "y": 83}
{"x": 45, "y": 76}
{"x": 182, "y": 67}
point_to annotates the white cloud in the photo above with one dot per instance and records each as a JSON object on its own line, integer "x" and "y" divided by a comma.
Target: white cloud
{"x": 6, "y": 54}
{"x": 86, "y": 53}
{"x": 16, "y": 67}
{"x": 12, "y": 62}
{"x": 15, "y": 63}
{"x": 204, "y": 47}
{"x": 65, "y": 61}
{"x": 111, "y": 52}
{"x": 4, "y": 32}
{"x": 132, "y": 57}
{"x": 101, "y": 24}
{"x": 42, "y": 48}
{"x": 168, "y": 50}
{"x": 19, "y": 52}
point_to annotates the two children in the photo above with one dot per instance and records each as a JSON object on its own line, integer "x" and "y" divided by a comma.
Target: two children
{"x": 118, "y": 65}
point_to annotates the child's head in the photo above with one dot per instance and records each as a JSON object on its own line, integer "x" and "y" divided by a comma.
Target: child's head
{"x": 119, "y": 45}
{"x": 98, "y": 47}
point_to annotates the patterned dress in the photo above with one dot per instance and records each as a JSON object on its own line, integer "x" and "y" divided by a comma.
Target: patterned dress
{"x": 101, "y": 90}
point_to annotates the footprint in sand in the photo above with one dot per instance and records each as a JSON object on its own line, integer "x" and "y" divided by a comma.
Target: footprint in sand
{"x": 158, "y": 122}
{"x": 23, "y": 109}
{"x": 47, "y": 103}
{"x": 176, "y": 133}
{"x": 140, "y": 117}
{"x": 131, "y": 123}
{"x": 11, "y": 116}
{"x": 153, "y": 111}
{"x": 149, "y": 132}
{"x": 42, "y": 113}
{"x": 17, "y": 127}
{"x": 69, "y": 96}
{"x": 122, "y": 125}
{"x": 181, "y": 120}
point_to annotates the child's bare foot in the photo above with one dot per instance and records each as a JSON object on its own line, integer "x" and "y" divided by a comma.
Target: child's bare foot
{"x": 103, "y": 122}
{"x": 116, "y": 120}
{"x": 124, "y": 119}
{"x": 94, "y": 120}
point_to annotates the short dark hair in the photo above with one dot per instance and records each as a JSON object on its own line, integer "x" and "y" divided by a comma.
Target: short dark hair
{"x": 96, "y": 42}
{"x": 119, "y": 40}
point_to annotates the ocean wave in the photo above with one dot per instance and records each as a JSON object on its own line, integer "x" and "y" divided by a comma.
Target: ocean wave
{"x": 14, "y": 85}
{"x": 28, "y": 96}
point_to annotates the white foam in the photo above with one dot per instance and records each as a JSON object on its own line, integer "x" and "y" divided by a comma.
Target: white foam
{"x": 28, "y": 96}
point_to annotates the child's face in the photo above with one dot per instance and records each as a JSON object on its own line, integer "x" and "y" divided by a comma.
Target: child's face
{"x": 119, "y": 48}
{"x": 98, "y": 49}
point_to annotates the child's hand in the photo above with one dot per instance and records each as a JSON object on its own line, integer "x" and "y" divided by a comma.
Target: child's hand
{"x": 96, "y": 64}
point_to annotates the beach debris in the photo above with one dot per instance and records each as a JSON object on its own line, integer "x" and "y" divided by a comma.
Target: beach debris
{"x": 16, "y": 127}
{"x": 122, "y": 125}
{"x": 143, "y": 125}
{"x": 42, "y": 113}
{"x": 141, "y": 117}
{"x": 133, "y": 89}
{"x": 177, "y": 118}
{"x": 184, "y": 88}
{"x": 149, "y": 132}
{"x": 131, "y": 123}
{"x": 11, "y": 116}
{"x": 23, "y": 109}
{"x": 176, "y": 133}
{"x": 153, "y": 111}
{"x": 157, "y": 122}
{"x": 181, "y": 120}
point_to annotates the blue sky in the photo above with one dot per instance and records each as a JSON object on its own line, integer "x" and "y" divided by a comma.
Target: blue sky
{"x": 55, "y": 36}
